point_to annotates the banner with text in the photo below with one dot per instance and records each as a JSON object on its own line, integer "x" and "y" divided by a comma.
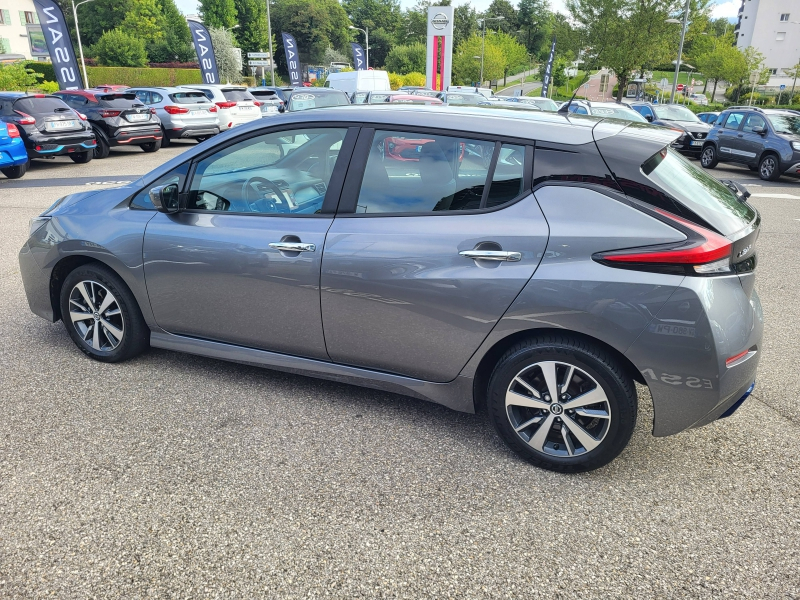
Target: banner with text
{"x": 56, "y": 36}
{"x": 205, "y": 52}
{"x": 548, "y": 70}
{"x": 358, "y": 57}
{"x": 292, "y": 58}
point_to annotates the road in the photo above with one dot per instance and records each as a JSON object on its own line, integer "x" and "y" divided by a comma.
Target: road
{"x": 178, "y": 476}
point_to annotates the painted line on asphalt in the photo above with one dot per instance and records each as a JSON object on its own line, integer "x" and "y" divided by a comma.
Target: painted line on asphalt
{"x": 778, "y": 196}
{"x": 110, "y": 180}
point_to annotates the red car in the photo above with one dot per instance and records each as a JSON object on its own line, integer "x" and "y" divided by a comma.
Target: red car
{"x": 111, "y": 87}
{"x": 408, "y": 149}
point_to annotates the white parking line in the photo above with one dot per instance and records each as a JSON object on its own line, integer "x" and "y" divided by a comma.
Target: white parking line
{"x": 786, "y": 196}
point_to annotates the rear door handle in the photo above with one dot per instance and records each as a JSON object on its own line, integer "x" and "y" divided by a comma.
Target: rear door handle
{"x": 293, "y": 247}
{"x": 492, "y": 255}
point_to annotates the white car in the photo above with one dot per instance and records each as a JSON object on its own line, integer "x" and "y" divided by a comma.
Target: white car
{"x": 699, "y": 99}
{"x": 235, "y": 105}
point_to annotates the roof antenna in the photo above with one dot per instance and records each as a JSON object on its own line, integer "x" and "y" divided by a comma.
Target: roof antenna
{"x": 565, "y": 107}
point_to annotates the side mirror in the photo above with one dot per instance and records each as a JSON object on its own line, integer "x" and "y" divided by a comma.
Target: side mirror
{"x": 649, "y": 118}
{"x": 759, "y": 130}
{"x": 282, "y": 108}
{"x": 165, "y": 198}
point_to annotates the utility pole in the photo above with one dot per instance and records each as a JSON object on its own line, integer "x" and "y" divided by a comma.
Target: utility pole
{"x": 271, "y": 57}
{"x": 680, "y": 49}
{"x": 78, "y": 34}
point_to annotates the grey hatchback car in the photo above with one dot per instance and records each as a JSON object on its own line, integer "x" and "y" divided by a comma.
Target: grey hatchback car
{"x": 375, "y": 246}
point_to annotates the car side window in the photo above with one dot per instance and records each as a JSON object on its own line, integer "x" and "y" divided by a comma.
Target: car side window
{"x": 143, "y": 96}
{"x": 508, "y": 177}
{"x": 754, "y": 121}
{"x": 285, "y": 172}
{"x": 142, "y": 199}
{"x": 734, "y": 120}
{"x": 155, "y": 98}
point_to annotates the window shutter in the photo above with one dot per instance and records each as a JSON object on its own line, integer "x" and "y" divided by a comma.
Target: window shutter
{"x": 7, "y": 17}
{"x": 22, "y": 17}
{"x": 36, "y": 16}
{"x": 5, "y": 47}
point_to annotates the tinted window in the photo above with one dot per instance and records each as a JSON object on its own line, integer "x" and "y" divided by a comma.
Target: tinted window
{"x": 674, "y": 112}
{"x": 578, "y": 109}
{"x": 37, "y": 106}
{"x": 617, "y": 113}
{"x": 734, "y": 120}
{"x": 142, "y": 199}
{"x": 698, "y": 190}
{"x": 237, "y": 95}
{"x": 119, "y": 100}
{"x": 143, "y": 96}
{"x": 754, "y": 121}
{"x": 276, "y": 173}
{"x": 412, "y": 173}
{"x": 74, "y": 100}
{"x": 472, "y": 99}
{"x": 507, "y": 180}
{"x": 156, "y": 97}
{"x": 189, "y": 98}
{"x": 306, "y": 100}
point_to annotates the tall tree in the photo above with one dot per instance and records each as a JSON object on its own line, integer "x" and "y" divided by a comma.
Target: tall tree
{"x": 374, "y": 14}
{"x": 227, "y": 57}
{"x": 177, "y": 42}
{"x": 218, "y": 13}
{"x": 253, "y": 32}
{"x": 315, "y": 24}
{"x": 466, "y": 68}
{"x": 144, "y": 21}
{"x": 465, "y": 23}
{"x": 533, "y": 18}
{"x": 502, "y": 8}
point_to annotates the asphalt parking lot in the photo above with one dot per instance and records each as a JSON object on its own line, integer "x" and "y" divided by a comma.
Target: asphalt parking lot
{"x": 173, "y": 476}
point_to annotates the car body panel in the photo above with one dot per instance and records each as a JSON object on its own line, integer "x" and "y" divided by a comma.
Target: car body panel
{"x": 199, "y": 121}
{"x": 244, "y": 111}
{"x": 12, "y": 150}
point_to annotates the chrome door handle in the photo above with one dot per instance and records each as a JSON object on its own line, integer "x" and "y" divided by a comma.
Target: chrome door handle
{"x": 293, "y": 247}
{"x": 492, "y": 255}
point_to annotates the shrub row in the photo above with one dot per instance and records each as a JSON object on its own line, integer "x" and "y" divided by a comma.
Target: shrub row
{"x": 126, "y": 75}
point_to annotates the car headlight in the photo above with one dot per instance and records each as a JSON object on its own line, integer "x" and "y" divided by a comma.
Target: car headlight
{"x": 796, "y": 145}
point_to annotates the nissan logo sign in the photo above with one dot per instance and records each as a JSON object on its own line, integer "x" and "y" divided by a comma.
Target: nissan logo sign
{"x": 440, "y": 21}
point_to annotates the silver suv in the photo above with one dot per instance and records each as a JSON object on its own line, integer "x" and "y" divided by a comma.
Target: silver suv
{"x": 183, "y": 113}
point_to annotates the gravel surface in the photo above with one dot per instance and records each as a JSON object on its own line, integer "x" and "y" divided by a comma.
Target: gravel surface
{"x": 173, "y": 476}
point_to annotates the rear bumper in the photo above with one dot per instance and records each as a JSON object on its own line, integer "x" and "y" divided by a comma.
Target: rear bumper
{"x": 193, "y": 131}
{"x": 137, "y": 136}
{"x": 682, "y": 353}
{"x": 54, "y": 149}
{"x": 12, "y": 155}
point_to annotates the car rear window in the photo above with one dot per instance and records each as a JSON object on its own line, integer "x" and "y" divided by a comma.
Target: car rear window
{"x": 237, "y": 95}
{"x": 37, "y": 106}
{"x": 119, "y": 100}
{"x": 469, "y": 99}
{"x": 266, "y": 94}
{"x": 698, "y": 191}
{"x": 188, "y": 98}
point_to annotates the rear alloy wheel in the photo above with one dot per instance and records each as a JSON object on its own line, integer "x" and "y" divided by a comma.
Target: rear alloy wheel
{"x": 82, "y": 158}
{"x": 16, "y": 172}
{"x": 768, "y": 168}
{"x": 152, "y": 146}
{"x": 708, "y": 159}
{"x": 101, "y": 315}
{"x": 102, "y": 149}
{"x": 562, "y": 404}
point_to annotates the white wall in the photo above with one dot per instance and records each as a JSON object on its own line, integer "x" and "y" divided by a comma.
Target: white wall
{"x": 14, "y": 32}
{"x": 760, "y": 26}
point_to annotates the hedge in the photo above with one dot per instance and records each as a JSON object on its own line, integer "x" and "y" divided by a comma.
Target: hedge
{"x": 131, "y": 76}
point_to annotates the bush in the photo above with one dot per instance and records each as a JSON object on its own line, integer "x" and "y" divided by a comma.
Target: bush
{"x": 395, "y": 81}
{"x": 48, "y": 87}
{"x": 175, "y": 65}
{"x": 417, "y": 79}
{"x": 16, "y": 76}
{"x": 45, "y": 68}
{"x": 406, "y": 59}
{"x": 144, "y": 77}
{"x": 116, "y": 48}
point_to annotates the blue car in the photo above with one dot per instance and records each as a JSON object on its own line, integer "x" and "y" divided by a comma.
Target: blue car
{"x": 13, "y": 157}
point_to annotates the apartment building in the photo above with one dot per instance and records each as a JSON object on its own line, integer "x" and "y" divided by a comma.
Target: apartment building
{"x": 773, "y": 27}
{"x": 20, "y": 33}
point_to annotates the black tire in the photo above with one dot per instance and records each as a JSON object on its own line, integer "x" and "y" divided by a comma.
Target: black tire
{"x": 16, "y": 172}
{"x": 102, "y": 149}
{"x": 769, "y": 168}
{"x": 165, "y": 141}
{"x": 152, "y": 146}
{"x": 82, "y": 158}
{"x": 594, "y": 368}
{"x": 709, "y": 158}
{"x": 98, "y": 280}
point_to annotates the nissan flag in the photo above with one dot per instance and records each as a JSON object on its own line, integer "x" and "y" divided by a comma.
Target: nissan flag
{"x": 205, "y": 52}
{"x": 548, "y": 70}
{"x": 62, "y": 54}
{"x": 358, "y": 57}
{"x": 292, "y": 58}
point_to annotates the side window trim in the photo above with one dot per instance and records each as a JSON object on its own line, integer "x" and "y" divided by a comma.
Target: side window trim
{"x": 490, "y": 174}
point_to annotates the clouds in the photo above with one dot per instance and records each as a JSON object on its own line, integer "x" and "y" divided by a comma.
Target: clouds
{"x": 726, "y": 10}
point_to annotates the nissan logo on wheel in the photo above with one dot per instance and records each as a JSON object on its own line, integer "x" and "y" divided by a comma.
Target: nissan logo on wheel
{"x": 440, "y": 21}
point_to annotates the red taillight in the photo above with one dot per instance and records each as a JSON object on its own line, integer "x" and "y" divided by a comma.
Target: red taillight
{"x": 212, "y": 109}
{"x": 106, "y": 114}
{"x": 705, "y": 252}
{"x": 176, "y": 110}
{"x": 256, "y": 102}
{"x": 735, "y": 357}
{"x": 152, "y": 111}
{"x": 226, "y": 104}
{"x": 39, "y": 96}
{"x": 13, "y": 132}
{"x": 81, "y": 116}
{"x": 24, "y": 118}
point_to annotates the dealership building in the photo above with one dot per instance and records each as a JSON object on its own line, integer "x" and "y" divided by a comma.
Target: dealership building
{"x": 773, "y": 28}
{"x": 20, "y": 33}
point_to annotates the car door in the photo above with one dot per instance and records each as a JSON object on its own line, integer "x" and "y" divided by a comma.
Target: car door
{"x": 424, "y": 257}
{"x": 730, "y": 138}
{"x": 240, "y": 264}
{"x": 752, "y": 143}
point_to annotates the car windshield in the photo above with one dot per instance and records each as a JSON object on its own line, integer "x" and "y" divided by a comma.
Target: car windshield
{"x": 428, "y": 93}
{"x": 615, "y": 112}
{"x": 307, "y": 100}
{"x": 672, "y": 112}
{"x": 237, "y": 95}
{"x": 698, "y": 191}
{"x": 543, "y": 103}
{"x": 189, "y": 98}
{"x": 467, "y": 99}
{"x": 785, "y": 124}
{"x": 378, "y": 98}
{"x": 34, "y": 106}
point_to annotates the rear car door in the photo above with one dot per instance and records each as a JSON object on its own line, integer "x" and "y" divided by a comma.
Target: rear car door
{"x": 424, "y": 257}
{"x": 241, "y": 263}
{"x": 731, "y": 147}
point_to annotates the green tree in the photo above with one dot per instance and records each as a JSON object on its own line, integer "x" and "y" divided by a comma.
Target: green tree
{"x": 502, "y": 8}
{"x": 533, "y": 17}
{"x": 218, "y": 13}
{"x": 465, "y": 23}
{"x": 176, "y": 44}
{"x": 117, "y": 48}
{"x": 253, "y": 32}
{"x": 96, "y": 18}
{"x": 144, "y": 21}
{"x": 715, "y": 63}
{"x": 514, "y": 53}
{"x": 315, "y": 24}
{"x": 227, "y": 58}
{"x": 407, "y": 59}
{"x": 17, "y": 77}
{"x": 374, "y": 14}
{"x": 467, "y": 68}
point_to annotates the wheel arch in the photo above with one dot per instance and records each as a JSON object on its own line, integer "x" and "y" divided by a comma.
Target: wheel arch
{"x": 489, "y": 360}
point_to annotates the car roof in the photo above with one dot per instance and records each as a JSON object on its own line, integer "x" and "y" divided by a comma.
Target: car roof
{"x": 167, "y": 89}
{"x": 610, "y": 105}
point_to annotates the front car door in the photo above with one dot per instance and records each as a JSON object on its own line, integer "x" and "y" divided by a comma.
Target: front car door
{"x": 241, "y": 263}
{"x": 730, "y": 138}
{"x": 424, "y": 257}
{"x": 752, "y": 143}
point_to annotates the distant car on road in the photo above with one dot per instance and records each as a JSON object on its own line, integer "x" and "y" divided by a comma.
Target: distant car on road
{"x": 13, "y": 157}
{"x": 47, "y": 126}
{"x": 699, "y": 99}
{"x": 184, "y": 114}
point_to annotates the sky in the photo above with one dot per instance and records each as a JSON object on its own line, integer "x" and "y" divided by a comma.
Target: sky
{"x": 722, "y": 9}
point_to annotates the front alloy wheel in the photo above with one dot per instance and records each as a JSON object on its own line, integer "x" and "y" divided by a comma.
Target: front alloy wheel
{"x": 708, "y": 159}
{"x": 96, "y": 316}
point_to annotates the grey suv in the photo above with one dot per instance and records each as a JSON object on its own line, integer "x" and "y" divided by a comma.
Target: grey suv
{"x": 767, "y": 141}
{"x": 183, "y": 113}
{"x": 376, "y": 246}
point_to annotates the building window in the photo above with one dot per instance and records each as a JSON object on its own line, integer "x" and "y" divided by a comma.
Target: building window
{"x": 773, "y": 71}
{"x": 28, "y": 17}
{"x": 784, "y": 17}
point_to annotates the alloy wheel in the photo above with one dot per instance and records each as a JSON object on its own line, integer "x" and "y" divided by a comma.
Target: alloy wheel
{"x": 96, "y": 316}
{"x": 558, "y": 409}
{"x": 767, "y": 167}
{"x": 708, "y": 157}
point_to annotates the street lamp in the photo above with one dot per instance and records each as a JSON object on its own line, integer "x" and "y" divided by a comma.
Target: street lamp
{"x": 366, "y": 39}
{"x": 271, "y": 58}
{"x": 680, "y": 48}
{"x": 483, "y": 42}
{"x": 78, "y": 35}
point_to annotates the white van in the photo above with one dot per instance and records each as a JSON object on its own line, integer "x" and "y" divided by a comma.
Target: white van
{"x": 351, "y": 82}
{"x": 487, "y": 92}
